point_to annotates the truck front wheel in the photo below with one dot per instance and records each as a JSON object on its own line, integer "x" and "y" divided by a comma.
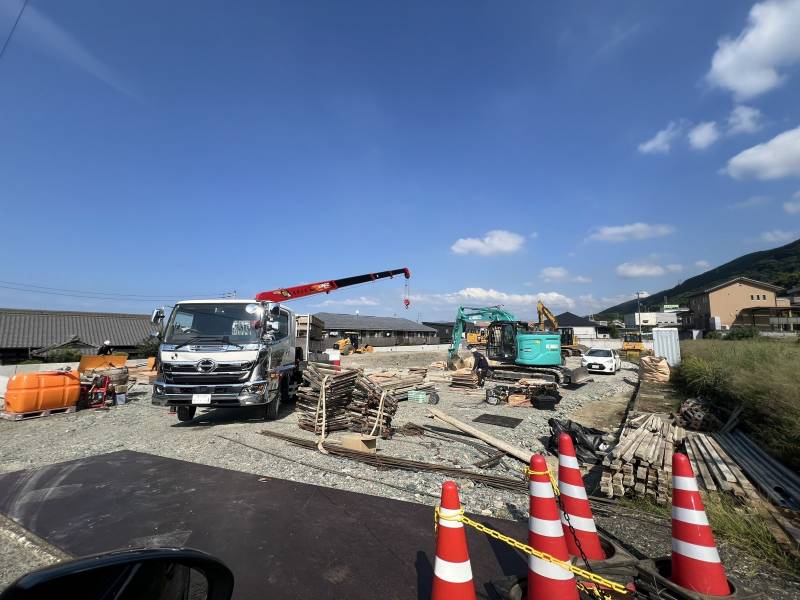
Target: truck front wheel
{"x": 272, "y": 409}
{"x": 186, "y": 413}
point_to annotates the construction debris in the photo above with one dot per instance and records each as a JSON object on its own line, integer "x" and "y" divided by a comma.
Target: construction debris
{"x": 391, "y": 462}
{"x": 326, "y": 412}
{"x": 695, "y": 415}
{"x": 516, "y": 452}
{"x": 654, "y": 368}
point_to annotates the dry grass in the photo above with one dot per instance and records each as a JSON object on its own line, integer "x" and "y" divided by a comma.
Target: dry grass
{"x": 736, "y": 525}
{"x": 763, "y": 375}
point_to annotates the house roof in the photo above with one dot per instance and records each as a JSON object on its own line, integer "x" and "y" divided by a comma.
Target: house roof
{"x": 753, "y": 282}
{"x": 337, "y": 321}
{"x": 568, "y": 319}
{"x": 20, "y": 328}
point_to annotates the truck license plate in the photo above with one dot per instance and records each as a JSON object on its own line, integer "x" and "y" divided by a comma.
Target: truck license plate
{"x": 201, "y": 398}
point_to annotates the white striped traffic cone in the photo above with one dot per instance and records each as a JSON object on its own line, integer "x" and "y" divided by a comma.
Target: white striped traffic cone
{"x": 576, "y": 503}
{"x": 545, "y": 579}
{"x": 452, "y": 572}
{"x": 695, "y": 561}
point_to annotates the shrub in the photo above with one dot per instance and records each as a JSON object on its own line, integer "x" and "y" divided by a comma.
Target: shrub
{"x": 147, "y": 348}
{"x": 32, "y": 361}
{"x": 742, "y": 333}
{"x": 63, "y": 355}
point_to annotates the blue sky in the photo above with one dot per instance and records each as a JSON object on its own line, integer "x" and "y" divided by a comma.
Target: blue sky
{"x": 572, "y": 151}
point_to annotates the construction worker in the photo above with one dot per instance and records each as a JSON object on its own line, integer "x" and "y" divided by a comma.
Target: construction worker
{"x": 105, "y": 349}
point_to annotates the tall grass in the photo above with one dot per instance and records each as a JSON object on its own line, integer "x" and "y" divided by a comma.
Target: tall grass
{"x": 763, "y": 375}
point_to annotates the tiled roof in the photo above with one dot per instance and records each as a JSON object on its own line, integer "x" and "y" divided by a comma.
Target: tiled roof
{"x": 337, "y": 321}
{"x": 20, "y": 328}
{"x": 568, "y": 319}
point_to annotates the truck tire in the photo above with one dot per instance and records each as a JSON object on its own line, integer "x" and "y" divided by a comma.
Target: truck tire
{"x": 272, "y": 409}
{"x": 186, "y": 413}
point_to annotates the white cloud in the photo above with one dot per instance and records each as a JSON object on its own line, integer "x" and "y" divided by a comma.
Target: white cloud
{"x": 703, "y": 135}
{"x": 778, "y": 236}
{"x": 793, "y": 206}
{"x": 750, "y": 64}
{"x": 483, "y": 296}
{"x": 497, "y": 241}
{"x": 661, "y": 142}
{"x": 751, "y": 202}
{"x": 360, "y": 301}
{"x": 632, "y": 231}
{"x": 554, "y": 274}
{"x": 631, "y": 270}
{"x": 779, "y": 157}
{"x": 561, "y": 274}
{"x": 57, "y": 41}
{"x": 744, "y": 119}
{"x": 702, "y": 264}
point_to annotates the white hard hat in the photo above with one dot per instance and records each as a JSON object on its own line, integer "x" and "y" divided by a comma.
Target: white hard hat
{"x": 107, "y": 342}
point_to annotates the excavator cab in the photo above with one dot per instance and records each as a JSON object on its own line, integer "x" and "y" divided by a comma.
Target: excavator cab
{"x": 501, "y": 343}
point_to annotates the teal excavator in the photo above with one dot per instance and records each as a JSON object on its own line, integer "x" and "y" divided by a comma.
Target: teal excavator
{"x": 516, "y": 349}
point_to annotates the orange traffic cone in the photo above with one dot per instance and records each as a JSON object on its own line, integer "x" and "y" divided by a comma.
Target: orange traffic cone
{"x": 695, "y": 560}
{"x": 545, "y": 579}
{"x": 452, "y": 573}
{"x": 575, "y": 503}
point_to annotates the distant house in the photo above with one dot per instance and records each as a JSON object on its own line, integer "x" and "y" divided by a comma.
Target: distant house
{"x": 31, "y": 333}
{"x": 648, "y": 320}
{"x": 718, "y": 307}
{"x": 374, "y": 331}
{"x": 583, "y": 328}
{"x": 444, "y": 330}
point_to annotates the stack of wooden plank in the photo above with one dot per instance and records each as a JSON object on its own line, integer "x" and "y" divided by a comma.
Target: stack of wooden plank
{"x": 714, "y": 469}
{"x": 365, "y": 408}
{"x": 338, "y": 386}
{"x": 464, "y": 378}
{"x": 641, "y": 462}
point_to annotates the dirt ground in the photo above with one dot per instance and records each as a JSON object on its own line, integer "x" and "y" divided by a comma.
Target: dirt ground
{"x": 231, "y": 439}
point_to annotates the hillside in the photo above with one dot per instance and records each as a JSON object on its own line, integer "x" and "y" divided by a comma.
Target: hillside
{"x": 779, "y": 266}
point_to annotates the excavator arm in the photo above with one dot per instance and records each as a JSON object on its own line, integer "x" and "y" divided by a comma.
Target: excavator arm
{"x": 472, "y": 314}
{"x": 546, "y": 315}
{"x": 326, "y": 287}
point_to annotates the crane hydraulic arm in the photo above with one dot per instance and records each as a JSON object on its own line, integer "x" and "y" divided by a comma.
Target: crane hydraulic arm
{"x": 472, "y": 314}
{"x": 326, "y": 287}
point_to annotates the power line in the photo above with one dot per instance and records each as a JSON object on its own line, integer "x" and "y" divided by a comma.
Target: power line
{"x": 13, "y": 28}
{"x": 120, "y": 298}
{"x": 45, "y": 288}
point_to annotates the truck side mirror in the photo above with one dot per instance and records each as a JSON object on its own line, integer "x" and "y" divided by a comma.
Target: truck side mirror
{"x": 157, "y": 316}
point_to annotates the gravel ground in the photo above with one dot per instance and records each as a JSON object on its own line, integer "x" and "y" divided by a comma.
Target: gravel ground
{"x": 215, "y": 438}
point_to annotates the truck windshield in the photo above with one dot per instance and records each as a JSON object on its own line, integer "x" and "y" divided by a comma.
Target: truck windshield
{"x": 223, "y": 322}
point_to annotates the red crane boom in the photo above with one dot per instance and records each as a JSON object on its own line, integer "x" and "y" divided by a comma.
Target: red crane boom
{"x": 309, "y": 289}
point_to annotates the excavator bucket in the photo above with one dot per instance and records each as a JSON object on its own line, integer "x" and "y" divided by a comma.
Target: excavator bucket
{"x": 578, "y": 375}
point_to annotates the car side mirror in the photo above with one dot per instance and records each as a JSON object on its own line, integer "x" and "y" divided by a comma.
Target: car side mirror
{"x": 153, "y": 573}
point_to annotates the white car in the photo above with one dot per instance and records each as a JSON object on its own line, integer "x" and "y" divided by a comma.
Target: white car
{"x": 601, "y": 360}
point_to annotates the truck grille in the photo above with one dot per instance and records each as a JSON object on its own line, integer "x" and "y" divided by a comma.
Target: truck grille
{"x": 187, "y": 373}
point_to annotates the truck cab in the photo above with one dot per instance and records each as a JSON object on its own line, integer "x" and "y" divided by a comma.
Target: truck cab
{"x": 225, "y": 353}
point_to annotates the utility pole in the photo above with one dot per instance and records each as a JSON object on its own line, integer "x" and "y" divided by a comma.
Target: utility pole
{"x": 639, "y": 312}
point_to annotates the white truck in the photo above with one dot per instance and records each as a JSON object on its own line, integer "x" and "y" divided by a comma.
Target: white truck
{"x": 234, "y": 353}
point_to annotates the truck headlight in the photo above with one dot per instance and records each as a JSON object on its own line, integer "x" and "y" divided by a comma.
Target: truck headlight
{"x": 159, "y": 389}
{"x": 253, "y": 389}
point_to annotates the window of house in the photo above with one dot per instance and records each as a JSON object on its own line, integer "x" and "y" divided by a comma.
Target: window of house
{"x": 752, "y": 297}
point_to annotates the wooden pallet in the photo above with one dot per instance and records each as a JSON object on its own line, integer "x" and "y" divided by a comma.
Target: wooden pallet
{"x": 35, "y": 414}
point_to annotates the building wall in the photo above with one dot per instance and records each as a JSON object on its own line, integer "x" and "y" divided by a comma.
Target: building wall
{"x": 726, "y": 303}
{"x": 585, "y": 333}
{"x": 383, "y": 338}
{"x": 651, "y": 319}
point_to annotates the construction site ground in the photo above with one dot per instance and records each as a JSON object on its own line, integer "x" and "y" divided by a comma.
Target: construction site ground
{"x": 231, "y": 439}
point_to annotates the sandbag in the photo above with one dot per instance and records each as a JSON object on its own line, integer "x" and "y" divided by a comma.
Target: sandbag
{"x": 654, "y": 368}
{"x": 589, "y": 444}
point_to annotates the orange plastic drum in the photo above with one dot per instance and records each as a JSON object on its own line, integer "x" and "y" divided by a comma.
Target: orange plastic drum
{"x": 42, "y": 390}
